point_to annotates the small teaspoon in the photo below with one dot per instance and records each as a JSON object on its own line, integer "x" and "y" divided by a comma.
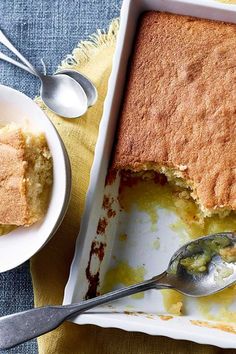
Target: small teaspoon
{"x": 20, "y": 327}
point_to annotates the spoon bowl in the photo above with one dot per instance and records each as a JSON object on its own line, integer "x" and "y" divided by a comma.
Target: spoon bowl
{"x": 63, "y": 95}
{"x": 87, "y": 85}
{"x": 218, "y": 275}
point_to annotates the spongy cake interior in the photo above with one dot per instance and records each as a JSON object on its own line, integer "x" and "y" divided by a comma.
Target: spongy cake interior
{"x": 26, "y": 177}
{"x": 38, "y": 176}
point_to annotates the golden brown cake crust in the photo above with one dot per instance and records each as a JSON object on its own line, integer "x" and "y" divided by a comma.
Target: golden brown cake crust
{"x": 180, "y": 104}
{"x": 13, "y": 203}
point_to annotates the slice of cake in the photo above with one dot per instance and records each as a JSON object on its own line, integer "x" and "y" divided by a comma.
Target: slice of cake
{"x": 25, "y": 176}
{"x": 179, "y": 110}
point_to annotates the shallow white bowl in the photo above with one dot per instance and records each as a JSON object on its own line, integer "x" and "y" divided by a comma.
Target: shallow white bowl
{"x": 22, "y": 243}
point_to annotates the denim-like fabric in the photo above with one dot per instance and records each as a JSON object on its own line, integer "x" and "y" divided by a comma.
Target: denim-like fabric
{"x": 47, "y": 29}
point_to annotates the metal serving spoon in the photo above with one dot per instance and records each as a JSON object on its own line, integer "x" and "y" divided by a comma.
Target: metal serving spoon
{"x": 61, "y": 93}
{"x": 20, "y": 327}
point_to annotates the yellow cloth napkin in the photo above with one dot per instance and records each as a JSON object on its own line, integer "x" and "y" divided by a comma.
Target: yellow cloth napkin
{"x": 50, "y": 267}
{"x": 228, "y": 1}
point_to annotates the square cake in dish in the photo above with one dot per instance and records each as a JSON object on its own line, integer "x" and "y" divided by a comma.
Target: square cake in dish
{"x": 25, "y": 176}
{"x": 179, "y": 111}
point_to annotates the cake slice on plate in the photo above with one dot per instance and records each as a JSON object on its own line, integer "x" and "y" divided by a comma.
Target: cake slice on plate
{"x": 25, "y": 176}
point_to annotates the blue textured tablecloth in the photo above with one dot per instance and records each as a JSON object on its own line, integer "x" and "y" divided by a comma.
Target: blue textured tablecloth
{"x": 47, "y": 29}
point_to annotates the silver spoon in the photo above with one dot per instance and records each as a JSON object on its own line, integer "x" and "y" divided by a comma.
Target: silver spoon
{"x": 87, "y": 85}
{"x": 20, "y": 327}
{"x": 61, "y": 93}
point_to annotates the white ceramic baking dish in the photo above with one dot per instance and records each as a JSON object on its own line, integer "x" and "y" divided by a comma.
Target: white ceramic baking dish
{"x": 89, "y": 265}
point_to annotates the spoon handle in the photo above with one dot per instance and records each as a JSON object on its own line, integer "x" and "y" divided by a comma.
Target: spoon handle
{"x": 20, "y": 327}
{"x": 16, "y": 63}
{"x": 9, "y": 45}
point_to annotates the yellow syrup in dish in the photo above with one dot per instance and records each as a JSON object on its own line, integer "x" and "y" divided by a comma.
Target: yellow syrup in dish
{"x": 122, "y": 273}
{"x": 173, "y": 301}
{"x": 5, "y": 229}
{"x": 147, "y": 196}
{"x": 218, "y": 306}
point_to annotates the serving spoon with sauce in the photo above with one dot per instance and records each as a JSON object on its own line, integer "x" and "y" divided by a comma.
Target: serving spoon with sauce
{"x": 61, "y": 93}
{"x": 199, "y": 268}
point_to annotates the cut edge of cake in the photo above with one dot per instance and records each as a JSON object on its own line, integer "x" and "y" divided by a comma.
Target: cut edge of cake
{"x": 176, "y": 177}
